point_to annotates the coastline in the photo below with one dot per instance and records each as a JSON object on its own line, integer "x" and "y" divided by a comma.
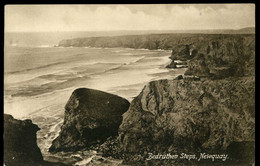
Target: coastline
{"x": 198, "y": 95}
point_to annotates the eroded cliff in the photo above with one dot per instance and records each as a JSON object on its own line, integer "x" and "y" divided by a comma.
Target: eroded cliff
{"x": 220, "y": 57}
{"x": 186, "y": 116}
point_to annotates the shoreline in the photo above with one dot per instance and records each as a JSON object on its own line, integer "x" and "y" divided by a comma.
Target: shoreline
{"x": 55, "y": 46}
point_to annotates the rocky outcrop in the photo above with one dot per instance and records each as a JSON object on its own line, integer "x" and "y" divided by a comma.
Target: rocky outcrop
{"x": 91, "y": 116}
{"x": 198, "y": 67}
{"x": 177, "y": 64}
{"x": 20, "y": 144}
{"x": 189, "y": 116}
{"x": 217, "y": 56}
{"x": 232, "y": 56}
{"x": 172, "y": 65}
{"x": 183, "y": 52}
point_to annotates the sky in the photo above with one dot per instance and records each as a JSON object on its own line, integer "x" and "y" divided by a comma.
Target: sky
{"x": 44, "y": 18}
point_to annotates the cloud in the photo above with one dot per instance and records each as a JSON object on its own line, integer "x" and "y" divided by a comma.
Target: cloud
{"x": 127, "y": 17}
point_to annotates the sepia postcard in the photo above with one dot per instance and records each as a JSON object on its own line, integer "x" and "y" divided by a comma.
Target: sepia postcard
{"x": 129, "y": 85}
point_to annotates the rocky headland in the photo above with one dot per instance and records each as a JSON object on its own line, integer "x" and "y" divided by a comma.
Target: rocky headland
{"x": 175, "y": 41}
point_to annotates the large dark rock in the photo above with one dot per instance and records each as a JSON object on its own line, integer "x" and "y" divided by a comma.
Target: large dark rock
{"x": 192, "y": 117}
{"x": 91, "y": 116}
{"x": 20, "y": 145}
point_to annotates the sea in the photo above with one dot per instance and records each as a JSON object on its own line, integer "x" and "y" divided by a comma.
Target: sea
{"x": 39, "y": 78}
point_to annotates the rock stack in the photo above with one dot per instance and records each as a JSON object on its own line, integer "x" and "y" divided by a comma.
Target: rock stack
{"x": 91, "y": 116}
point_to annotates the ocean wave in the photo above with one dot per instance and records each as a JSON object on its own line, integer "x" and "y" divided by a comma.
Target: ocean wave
{"x": 124, "y": 64}
{"x": 127, "y": 53}
{"x": 139, "y": 60}
{"x": 58, "y": 77}
{"x": 114, "y": 68}
{"x": 117, "y": 51}
{"x": 65, "y": 79}
{"x": 45, "y": 46}
{"x": 84, "y": 162}
{"x": 35, "y": 68}
{"x": 49, "y": 87}
{"x": 47, "y": 65}
{"x": 30, "y": 45}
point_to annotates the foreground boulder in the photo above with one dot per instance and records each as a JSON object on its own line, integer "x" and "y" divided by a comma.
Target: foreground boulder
{"x": 191, "y": 117}
{"x": 20, "y": 144}
{"x": 91, "y": 116}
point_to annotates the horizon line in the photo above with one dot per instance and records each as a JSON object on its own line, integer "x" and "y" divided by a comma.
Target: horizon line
{"x": 130, "y": 30}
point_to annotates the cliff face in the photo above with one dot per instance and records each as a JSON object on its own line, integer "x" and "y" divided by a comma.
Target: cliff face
{"x": 91, "y": 116}
{"x": 220, "y": 57}
{"x": 183, "y": 52}
{"x": 20, "y": 146}
{"x": 185, "y": 116}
